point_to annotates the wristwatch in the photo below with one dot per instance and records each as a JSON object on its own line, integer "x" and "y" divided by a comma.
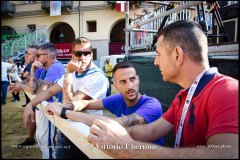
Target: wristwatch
{"x": 63, "y": 115}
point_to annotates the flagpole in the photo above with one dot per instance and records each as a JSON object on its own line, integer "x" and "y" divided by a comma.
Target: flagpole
{"x": 126, "y": 31}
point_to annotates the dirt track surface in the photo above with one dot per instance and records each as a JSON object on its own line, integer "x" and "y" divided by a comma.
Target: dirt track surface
{"x": 13, "y": 132}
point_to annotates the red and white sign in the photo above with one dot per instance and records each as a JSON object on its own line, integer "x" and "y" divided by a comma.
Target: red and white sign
{"x": 121, "y": 6}
{"x": 64, "y": 50}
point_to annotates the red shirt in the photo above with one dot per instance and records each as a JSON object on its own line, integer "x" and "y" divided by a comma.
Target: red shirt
{"x": 213, "y": 109}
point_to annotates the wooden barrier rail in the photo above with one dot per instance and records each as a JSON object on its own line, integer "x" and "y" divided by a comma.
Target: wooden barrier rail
{"x": 75, "y": 131}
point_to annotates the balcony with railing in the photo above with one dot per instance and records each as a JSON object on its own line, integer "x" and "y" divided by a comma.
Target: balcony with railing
{"x": 7, "y": 9}
{"x": 17, "y": 48}
{"x": 66, "y": 6}
{"x": 146, "y": 26}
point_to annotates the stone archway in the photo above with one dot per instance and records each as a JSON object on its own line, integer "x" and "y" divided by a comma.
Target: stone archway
{"x": 117, "y": 33}
{"x": 117, "y": 38}
{"x": 62, "y": 33}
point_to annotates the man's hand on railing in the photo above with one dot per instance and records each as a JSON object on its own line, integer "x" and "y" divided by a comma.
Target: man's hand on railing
{"x": 107, "y": 132}
{"x": 54, "y": 108}
{"x": 28, "y": 115}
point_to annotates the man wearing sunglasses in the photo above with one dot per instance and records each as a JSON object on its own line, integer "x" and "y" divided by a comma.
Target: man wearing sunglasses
{"x": 50, "y": 70}
{"x": 87, "y": 81}
{"x": 30, "y": 56}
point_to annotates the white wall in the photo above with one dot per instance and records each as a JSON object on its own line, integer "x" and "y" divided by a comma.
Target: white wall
{"x": 102, "y": 47}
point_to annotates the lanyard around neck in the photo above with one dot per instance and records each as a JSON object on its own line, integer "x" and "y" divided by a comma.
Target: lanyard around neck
{"x": 185, "y": 108}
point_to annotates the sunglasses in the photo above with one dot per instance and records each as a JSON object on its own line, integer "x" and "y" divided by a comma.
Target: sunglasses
{"x": 80, "y": 53}
{"x": 38, "y": 55}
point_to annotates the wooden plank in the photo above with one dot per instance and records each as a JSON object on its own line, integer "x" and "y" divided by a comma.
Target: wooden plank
{"x": 75, "y": 131}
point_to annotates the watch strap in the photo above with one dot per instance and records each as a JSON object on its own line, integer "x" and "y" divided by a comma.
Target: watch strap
{"x": 63, "y": 113}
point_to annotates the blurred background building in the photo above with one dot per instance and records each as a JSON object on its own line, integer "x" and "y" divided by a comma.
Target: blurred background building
{"x": 30, "y": 22}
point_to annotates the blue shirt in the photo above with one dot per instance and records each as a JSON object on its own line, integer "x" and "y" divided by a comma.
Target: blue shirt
{"x": 147, "y": 107}
{"x": 27, "y": 69}
{"x": 54, "y": 73}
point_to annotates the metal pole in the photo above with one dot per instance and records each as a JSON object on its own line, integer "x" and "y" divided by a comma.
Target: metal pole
{"x": 144, "y": 30}
{"x": 126, "y": 31}
{"x": 79, "y": 4}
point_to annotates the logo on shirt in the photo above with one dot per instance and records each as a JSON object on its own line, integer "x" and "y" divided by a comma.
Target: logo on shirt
{"x": 191, "y": 120}
{"x": 55, "y": 99}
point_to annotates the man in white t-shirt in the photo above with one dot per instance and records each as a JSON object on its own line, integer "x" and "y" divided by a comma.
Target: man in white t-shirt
{"x": 87, "y": 81}
{"x": 4, "y": 79}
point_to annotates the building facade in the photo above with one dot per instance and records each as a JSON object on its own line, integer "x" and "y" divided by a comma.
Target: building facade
{"x": 97, "y": 20}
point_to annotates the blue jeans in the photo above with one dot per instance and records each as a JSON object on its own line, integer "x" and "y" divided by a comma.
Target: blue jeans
{"x": 59, "y": 152}
{"x": 5, "y": 85}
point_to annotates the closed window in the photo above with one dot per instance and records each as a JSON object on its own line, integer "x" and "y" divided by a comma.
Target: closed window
{"x": 91, "y": 26}
{"x": 31, "y": 27}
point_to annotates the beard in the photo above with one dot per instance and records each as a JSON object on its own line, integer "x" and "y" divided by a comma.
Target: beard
{"x": 131, "y": 95}
{"x": 85, "y": 67}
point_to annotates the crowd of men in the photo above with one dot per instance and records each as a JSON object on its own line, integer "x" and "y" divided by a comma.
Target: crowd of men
{"x": 201, "y": 116}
